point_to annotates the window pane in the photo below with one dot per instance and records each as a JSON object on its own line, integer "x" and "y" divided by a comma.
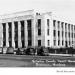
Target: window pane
{"x": 39, "y": 42}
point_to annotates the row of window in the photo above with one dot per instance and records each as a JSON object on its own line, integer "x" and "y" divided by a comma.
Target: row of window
{"x": 70, "y": 34}
{"x": 62, "y": 42}
{"x": 16, "y": 43}
{"x": 61, "y": 24}
{"x": 39, "y": 27}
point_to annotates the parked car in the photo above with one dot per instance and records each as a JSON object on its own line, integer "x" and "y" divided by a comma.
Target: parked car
{"x": 21, "y": 51}
{"x": 32, "y": 51}
{"x": 10, "y": 50}
{"x": 42, "y": 51}
{"x": 1, "y": 50}
{"x": 5, "y": 50}
{"x": 46, "y": 51}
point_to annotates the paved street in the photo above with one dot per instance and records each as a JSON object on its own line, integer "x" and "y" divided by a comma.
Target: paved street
{"x": 36, "y": 61}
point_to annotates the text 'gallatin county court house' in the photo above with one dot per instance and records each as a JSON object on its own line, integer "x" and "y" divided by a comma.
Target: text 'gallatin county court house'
{"x": 29, "y": 28}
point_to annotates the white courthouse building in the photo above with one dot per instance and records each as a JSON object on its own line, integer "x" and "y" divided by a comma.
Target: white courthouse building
{"x": 29, "y": 28}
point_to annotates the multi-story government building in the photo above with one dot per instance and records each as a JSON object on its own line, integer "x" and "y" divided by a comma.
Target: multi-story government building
{"x": 29, "y": 28}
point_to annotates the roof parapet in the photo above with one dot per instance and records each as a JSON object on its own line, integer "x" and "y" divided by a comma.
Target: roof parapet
{"x": 16, "y": 14}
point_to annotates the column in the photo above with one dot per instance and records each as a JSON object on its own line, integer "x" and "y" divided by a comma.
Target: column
{"x": 33, "y": 33}
{"x": 60, "y": 34}
{"x": 13, "y": 43}
{"x": 56, "y": 34}
{"x": 26, "y": 33}
{"x": 67, "y": 36}
{"x": 71, "y": 35}
{"x": 1, "y": 35}
{"x": 64, "y": 33}
{"x": 7, "y": 36}
{"x": 19, "y": 35}
{"x": 74, "y": 36}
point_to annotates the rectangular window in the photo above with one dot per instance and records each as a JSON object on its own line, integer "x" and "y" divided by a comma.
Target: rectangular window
{"x": 29, "y": 24}
{"x": 23, "y": 44}
{"x": 29, "y": 34}
{"x": 10, "y": 26}
{"x": 22, "y": 30}
{"x": 48, "y": 42}
{"x": 4, "y": 34}
{"x": 58, "y": 42}
{"x": 58, "y": 33}
{"x": 62, "y": 24}
{"x": 29, "y": 27}
{"x": 47, "y": 31}
{"x": 4, "y": 43}
{"x": 66, "y": 43}
{"x": 69, "y": 27}
{"x": 72, "y": 27}
{"x": 29, "y": 43}
{"x": 54, "y": 23}
{"x": 54, "y": 33}
{"x": 58, "y": 24}
{"x": 16, "y": 35}
{"x": 47, "y": 26}
{"x": 65, "y": 34}
{"x": 16, "y": 31}
{"x": 72, "y": 34}
{"x": 65, "y": 26}
{"x": 39, "y": 32}
{"x": 48, "y": 22}
{"x": 22, "y": 24}
{"x": 54, "y": 42}
{"x": 39, "y": 22}
{"x": 22, "y": 34}
{"x": 69, "y": 34}
{"x": 4, "y": 26}
{"x": 10, "y": 36}
{"x": 10, "y": 33}
{"x": 16, "y": 44}
{"x": 16, "y": 25}
{"x": 39, "y": 42}
{"x": 39, "y": 26}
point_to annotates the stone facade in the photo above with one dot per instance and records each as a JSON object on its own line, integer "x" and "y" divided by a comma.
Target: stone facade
{"x": 34, "y": 29}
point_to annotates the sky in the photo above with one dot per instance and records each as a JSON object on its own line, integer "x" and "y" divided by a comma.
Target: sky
{"x": 62, "y": 8}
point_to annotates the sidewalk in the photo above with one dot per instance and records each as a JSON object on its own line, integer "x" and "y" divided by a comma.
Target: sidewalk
{"x": 62, "y": 54}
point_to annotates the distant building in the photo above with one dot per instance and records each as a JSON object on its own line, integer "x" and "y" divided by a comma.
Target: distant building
{"x": 29, "y": 28}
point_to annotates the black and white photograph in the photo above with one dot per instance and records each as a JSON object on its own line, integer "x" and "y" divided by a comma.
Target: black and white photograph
{"x": 37, "y": 34}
